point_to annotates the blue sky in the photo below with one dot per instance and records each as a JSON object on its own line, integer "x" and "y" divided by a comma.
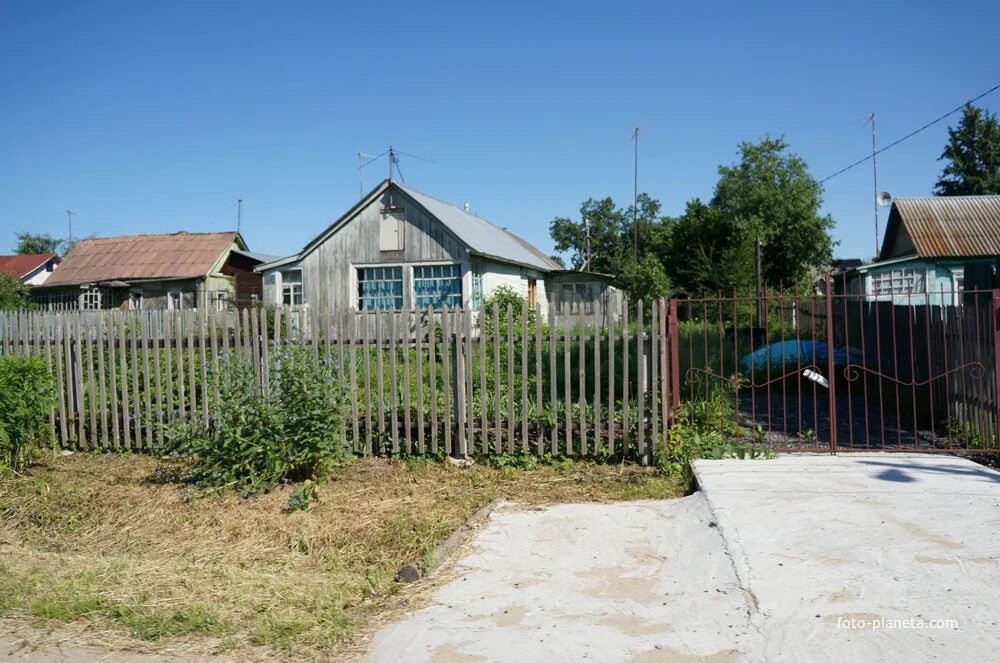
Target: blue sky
{"x": 155, "y": 117}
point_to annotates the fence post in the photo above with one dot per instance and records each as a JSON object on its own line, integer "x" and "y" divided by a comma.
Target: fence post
{"x": 996, "y": 363}
{"x": 675, "y": 363}
{"x": 832, "y": 395}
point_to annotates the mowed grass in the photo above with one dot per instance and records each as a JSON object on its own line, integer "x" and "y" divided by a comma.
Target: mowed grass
{"x": 91, "y": 539}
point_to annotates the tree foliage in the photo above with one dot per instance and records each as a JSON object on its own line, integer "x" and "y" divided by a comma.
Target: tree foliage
{"x": 13, "y": 294}
{"x": 708, "y": 251}
{"x": 973, "y": 156}
{"x": 769, "y": 192}
{"x": 31, "y": 243}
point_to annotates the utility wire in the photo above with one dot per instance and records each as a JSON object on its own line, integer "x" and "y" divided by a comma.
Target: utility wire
{"x": 908, "y": 136}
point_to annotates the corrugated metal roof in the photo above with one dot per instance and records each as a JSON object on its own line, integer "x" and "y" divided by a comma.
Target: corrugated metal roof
{"x": 139, "y": 257}
{"x": 480, "y": 235}
{"x": 948, "y": 226}
{"x": 21, "y": 265}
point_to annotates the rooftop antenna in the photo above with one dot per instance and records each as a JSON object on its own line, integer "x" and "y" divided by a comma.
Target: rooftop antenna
{"x": 871, "y": 118}
{"x": 239, "y": 213}
{"x": 394, "y": 161}
{"x": 635, "y": 194}
{"x": 364, "y": 160}
{"x": 69, "y": 221}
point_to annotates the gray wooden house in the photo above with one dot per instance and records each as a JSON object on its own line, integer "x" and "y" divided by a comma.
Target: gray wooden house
{"x": 400, "y": 249}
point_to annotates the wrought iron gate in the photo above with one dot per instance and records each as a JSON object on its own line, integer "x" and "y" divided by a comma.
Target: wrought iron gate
{"x": 840, "y": 370}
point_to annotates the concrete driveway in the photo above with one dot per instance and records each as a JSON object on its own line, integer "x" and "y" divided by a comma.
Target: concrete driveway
{"x": 800, "y": 558}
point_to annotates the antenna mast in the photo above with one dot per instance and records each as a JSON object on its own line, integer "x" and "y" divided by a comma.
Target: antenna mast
{"x": 239, "y": 213}
{"x": 69, "y": 221}
{"x": 392, "y": 159}
{"x": 871, "y": 118}
{"x": 635, "y": 195}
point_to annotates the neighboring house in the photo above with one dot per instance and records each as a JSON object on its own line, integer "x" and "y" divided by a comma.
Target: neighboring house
{"x": 29, "y": 268}
{"x": 175, "y": 271}
{"x": 933, "y": 249}
{"x": 398, "y": 249}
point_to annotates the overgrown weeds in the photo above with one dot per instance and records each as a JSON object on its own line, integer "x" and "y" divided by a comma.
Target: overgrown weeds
{"x": 286, "y": 433}
{"x": 26, "y": 396}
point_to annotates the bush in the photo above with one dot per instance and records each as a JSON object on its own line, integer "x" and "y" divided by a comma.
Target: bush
{"x": 27, "y": 393}
{"x": 288, "y": 434}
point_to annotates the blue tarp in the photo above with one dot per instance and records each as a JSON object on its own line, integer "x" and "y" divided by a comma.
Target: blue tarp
{"x": 804, "y": 352}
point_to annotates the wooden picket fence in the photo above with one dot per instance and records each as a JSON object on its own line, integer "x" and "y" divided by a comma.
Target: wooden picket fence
{"x": 455, "y": 381}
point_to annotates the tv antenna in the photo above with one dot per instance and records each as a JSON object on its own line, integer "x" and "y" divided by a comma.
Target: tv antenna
{"x": 635, "y": 194}
{"x": 871, "y": 118}
{"x": 393, "y": 155}
{"x": 239, "y": 213}
{"x": 69, "y": 221}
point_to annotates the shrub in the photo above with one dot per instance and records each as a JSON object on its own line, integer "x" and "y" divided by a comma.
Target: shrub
{"x": 27, "y": 393}
{"x": 260, "y": 439}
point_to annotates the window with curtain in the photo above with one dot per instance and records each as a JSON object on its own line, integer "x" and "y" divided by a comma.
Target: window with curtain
{"x": 291, "y": 287}
{"x": 437, "y": 286}
{"x": 380, "y": 288}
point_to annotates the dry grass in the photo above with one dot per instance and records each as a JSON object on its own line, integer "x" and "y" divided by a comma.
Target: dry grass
{"x": 89, "y": 539}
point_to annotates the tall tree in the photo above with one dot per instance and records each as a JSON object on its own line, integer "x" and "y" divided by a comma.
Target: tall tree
{"x": 769, "y": 193}
{"x": 28, "y": 243}
{"x": 972, "y": 155}
{"x": 708, "y": 252}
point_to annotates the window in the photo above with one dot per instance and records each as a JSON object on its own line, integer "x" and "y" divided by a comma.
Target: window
{"x": 175, "y": 300}
{"x": 135, "y": 300}
{"x": 380, "y": 288}
{"x": 477, "y": 286}
{"x": 291, "y": 287}
{"x": 91, "y": 299}
{"x": 901, "y": 281}
{"x": 222, "y": 301}
{"x": 437, "y": 286}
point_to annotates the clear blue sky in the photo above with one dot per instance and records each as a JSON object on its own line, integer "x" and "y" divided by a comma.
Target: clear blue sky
{"x": 155, "y": 117}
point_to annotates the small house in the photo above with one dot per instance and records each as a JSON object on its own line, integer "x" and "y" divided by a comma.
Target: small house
{"x": 401, "y": 249}
{"x": 934, "y": 248}
{"x": 174, "y": 271}
{"x": 29, "y": 268}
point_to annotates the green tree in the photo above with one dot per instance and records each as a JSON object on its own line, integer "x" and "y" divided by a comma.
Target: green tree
{"x": 769, "y": 192}
{"x": 646, "y": 280}
{"x": 607, "y": 226}
{"x": 28, "y": 243}
{"x": 972, "y": 155}
{"x": 13, "y": 294}
{"x": 707, "y": 251}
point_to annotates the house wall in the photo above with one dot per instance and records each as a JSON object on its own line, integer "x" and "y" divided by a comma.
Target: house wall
{"x": 329, "y": 270}
{"x": 40, "y": 275}
{"x": 939, "y": 289}
{"x": 248, "y": 285}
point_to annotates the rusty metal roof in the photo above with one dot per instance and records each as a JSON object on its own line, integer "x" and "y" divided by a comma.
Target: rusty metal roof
{"x": 24, "y": 264}
{"x": 141, "y": 257}
{"x": 945, "y": 226}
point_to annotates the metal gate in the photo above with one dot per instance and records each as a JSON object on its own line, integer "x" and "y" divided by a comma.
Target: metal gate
{"x": 837, "y": 370}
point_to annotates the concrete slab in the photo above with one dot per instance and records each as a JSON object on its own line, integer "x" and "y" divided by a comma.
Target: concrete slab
{"x": 642, "y": 581}
{"x": 838, "y": 551}
{"x": 871, "y": 557}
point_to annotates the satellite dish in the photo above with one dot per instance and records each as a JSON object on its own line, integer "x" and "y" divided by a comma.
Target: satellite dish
{"x": 884, "y": 198}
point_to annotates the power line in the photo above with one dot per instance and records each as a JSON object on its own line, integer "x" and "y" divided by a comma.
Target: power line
{"x": 909, "y": 135}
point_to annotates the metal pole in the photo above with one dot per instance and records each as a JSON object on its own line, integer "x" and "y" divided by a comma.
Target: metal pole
{"x": 760, "y": 280}
{"x": 832, "y": 391}
{"x": 996, "y": 362}
{"x": 874, "y": 183}
{"x": 635, "y": 196}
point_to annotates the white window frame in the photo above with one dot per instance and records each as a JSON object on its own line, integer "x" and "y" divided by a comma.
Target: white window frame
{"x": 356, "y": 285}
{"x": 294, "y": 289}
{"x": 134, "y": 298}
{"x": 431, "y": 265}
{"x": 171, "y": 292}
{"x": 899, "y": 281}
{"x": 91, "y": 296}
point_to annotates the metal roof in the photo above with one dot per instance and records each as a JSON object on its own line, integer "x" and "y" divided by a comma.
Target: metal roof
{"x": 19, "y": 266}
{"x": 946, "y": 226}
{"x": 480, "y": 235}
{"x": 142, "y": 257}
